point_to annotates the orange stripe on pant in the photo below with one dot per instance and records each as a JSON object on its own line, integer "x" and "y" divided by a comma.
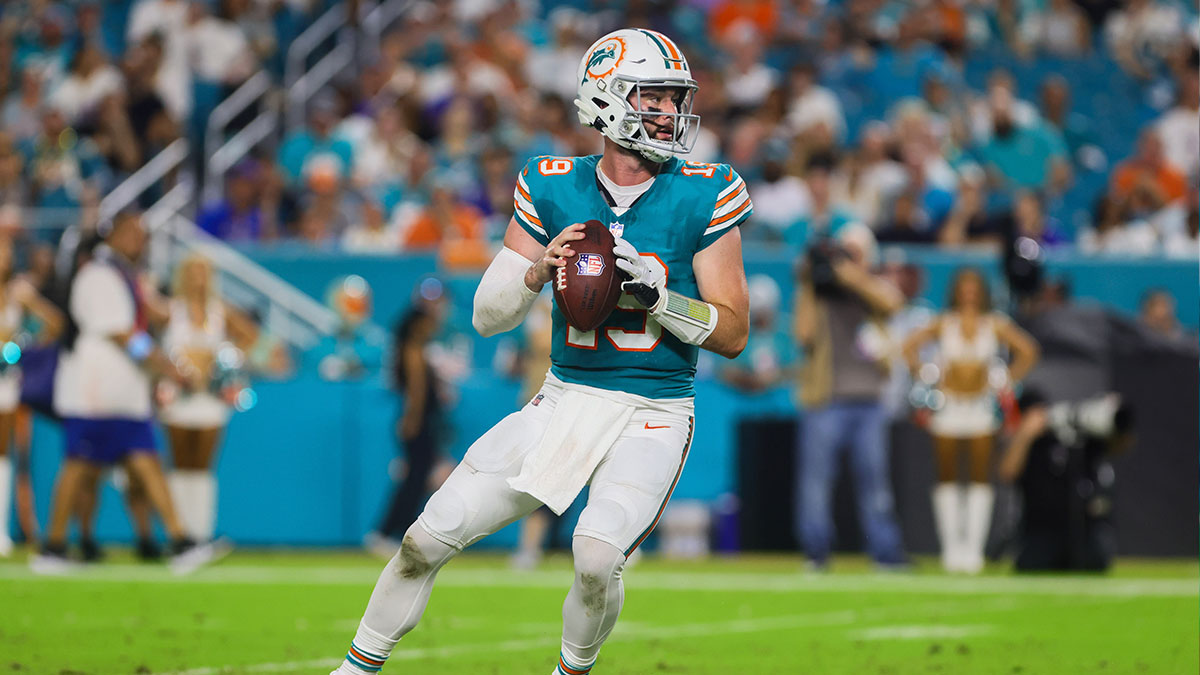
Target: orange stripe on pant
{"x": 686, "y": 448}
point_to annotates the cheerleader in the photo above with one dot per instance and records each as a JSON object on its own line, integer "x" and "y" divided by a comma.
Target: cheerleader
{"x": 194, "y": 416}
{"x": 969, "y": 373}
{"x": 18, "y": 298}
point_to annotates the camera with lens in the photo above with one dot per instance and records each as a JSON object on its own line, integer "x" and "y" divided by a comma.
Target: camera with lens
{"x": 822, "y": 254}
{"x": 1101, "y": 418}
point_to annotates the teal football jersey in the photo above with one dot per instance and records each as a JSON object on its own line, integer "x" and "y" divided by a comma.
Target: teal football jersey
{"x": 687, "y": 208}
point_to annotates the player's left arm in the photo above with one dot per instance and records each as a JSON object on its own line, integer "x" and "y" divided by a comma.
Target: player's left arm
{"x": 719, "y": 320}
{"x": 721, "y": 278}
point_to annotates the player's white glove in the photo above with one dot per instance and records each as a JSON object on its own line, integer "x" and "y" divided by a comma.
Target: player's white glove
{"x": 643, "y": 284}
{"x": 690, "y": 320}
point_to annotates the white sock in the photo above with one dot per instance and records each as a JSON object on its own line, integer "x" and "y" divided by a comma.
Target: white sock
{"x": 979, "y": 518}
{"x": 187, "y": 492}
{"x": 205, "y": 497}
{"x": 397, "y": 602}
{"x": 947, "y": 509}
{"x": 6, "y": 477}
{"x": 593, "y": 604}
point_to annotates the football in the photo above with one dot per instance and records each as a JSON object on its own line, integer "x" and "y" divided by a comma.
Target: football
{"x": 587, "y": 289}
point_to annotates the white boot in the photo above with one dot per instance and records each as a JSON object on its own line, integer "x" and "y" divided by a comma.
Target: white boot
{"x": 205, "y": 496}
{"x": 980, "y": 497}
{"x": 947, "y": 511}
{"x": 6, "y": 477}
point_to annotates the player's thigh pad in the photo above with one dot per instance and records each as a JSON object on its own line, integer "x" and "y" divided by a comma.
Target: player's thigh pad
{"x": 631, "y": 487}
{"x": 476, "y": 500}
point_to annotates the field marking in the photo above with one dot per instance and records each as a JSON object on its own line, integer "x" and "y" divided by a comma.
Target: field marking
{"x": 773, "y": 582}
{"x": 919, "y": 632}
{"x": 642, "y": 632}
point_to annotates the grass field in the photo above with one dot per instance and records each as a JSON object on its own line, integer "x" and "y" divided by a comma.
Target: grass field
{"x": 296, "y": 612}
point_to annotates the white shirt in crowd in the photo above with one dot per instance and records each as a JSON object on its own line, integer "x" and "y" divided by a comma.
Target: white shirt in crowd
{"x": 219, "y": 51}
{"x": 816, "y": 106}
{"x": 76, "y": 96}
{"x": 1179, "y": 129}
{"x": 173, "y": 83}
{"x": 750, "y": 88}
{"x": 779, "y": 204}
{"x": 98, "y": 379}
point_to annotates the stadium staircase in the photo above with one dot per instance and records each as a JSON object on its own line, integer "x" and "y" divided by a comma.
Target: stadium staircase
{"x": 329, "y": 46}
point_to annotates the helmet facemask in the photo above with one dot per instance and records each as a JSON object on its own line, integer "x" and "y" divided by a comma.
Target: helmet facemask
{"x": 631, "y": 131}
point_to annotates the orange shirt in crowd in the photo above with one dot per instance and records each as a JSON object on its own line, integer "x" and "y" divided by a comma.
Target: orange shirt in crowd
{"x": 763, "y": 15}
{"x": 1171, "y": 182}
{"x": 459, "y": 238}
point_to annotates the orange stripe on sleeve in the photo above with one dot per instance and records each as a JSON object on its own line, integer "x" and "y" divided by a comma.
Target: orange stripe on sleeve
{"x": 729, "y": 216}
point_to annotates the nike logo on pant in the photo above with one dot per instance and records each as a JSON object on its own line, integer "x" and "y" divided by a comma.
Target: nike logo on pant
{"x": 665, "y": 426}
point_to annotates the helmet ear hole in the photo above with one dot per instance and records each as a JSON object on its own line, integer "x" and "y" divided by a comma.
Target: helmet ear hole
{"x": 600, "y": 103}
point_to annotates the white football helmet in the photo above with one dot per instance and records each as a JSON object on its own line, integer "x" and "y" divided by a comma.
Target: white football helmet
{"x": 617, "y": 68}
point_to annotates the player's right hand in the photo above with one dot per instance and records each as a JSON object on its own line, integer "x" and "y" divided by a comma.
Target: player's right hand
{"x": 555, "y": 255}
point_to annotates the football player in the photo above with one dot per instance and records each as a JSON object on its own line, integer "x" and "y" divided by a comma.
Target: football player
{"x": 615, "y": 412}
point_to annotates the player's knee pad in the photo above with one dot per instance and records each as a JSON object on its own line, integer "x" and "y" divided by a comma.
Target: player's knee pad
{"x": 596, "y": 562}
{"x": 420, "y": 554}
{"x": 607, "y": 520}
{"x": 446, "y": 514}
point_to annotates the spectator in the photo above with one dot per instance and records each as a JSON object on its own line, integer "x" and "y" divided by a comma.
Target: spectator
{"x": 767, "y": 360}
{"x": 1142, "y": 34}
{"x": 46, "y": 50}
{"x": 747, "y": 79}
{"x": 421, "y": 428}
{"x": 152, "y": 122}
{"x": 164, "y": 24}
{"x": 239, "y": 216}
{"x": 61, "y": 165}
{"x": 1179, "y": 128}
{"x": 781, "y": 199}
{"x": 219, "y": 51}
{"x": 1112, "y": 234}
{"x": 1075, "y": 128}
{"x": 1184, "y": 241}
{"x": 1030, "y": 157}
{"x": 371, "y": 232}
{"x": 450, "y": 226}
{"x": 840, "y": 313}
{"x": 727, "y": 16}
{"x": 544, "y": 69}
{"x": 825, "y": 217}
{"x": 383, "y": 147}
{"x": 13, "y": 189}
{"x": 90, "y": 80}
{"x": 1158, "y": 313}
{"x": 316, "y": 142}
{"x": 1060, "y": 28}
{"x": 907, "y": 224}
{"x": 1148, "y": 170}
{"x": 813, "y": 105}
{"x": 875, "y": 177}
{"x": 22, "y": 109}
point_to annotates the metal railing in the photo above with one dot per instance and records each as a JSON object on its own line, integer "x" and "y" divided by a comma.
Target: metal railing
{"x": 172, "y": 157}
{"x": 378, "y": 19}
{"x": 288, "y": 312}
{"x": 251, "y": 92}
{"x": 308, "y": 41}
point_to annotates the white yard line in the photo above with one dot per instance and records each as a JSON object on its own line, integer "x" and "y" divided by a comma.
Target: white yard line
{"x": 643, "y": 632}
{"x": 644, "y": 579}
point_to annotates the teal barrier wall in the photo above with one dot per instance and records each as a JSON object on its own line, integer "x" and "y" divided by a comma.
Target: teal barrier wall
{"x": 309, "y": 464}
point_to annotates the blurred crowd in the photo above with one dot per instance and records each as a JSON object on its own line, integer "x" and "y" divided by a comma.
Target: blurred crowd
{"x": 944, "y": 122}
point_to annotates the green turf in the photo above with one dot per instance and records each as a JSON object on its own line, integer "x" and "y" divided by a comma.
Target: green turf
{"x": 296, "y": 612}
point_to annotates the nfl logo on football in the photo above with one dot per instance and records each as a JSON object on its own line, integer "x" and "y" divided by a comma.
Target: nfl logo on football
{"x": 590, "y": 264}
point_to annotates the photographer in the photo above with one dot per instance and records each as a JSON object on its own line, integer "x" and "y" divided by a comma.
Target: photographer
{"x": 1059, "y": 461}
{"x": 841, "y": 312}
